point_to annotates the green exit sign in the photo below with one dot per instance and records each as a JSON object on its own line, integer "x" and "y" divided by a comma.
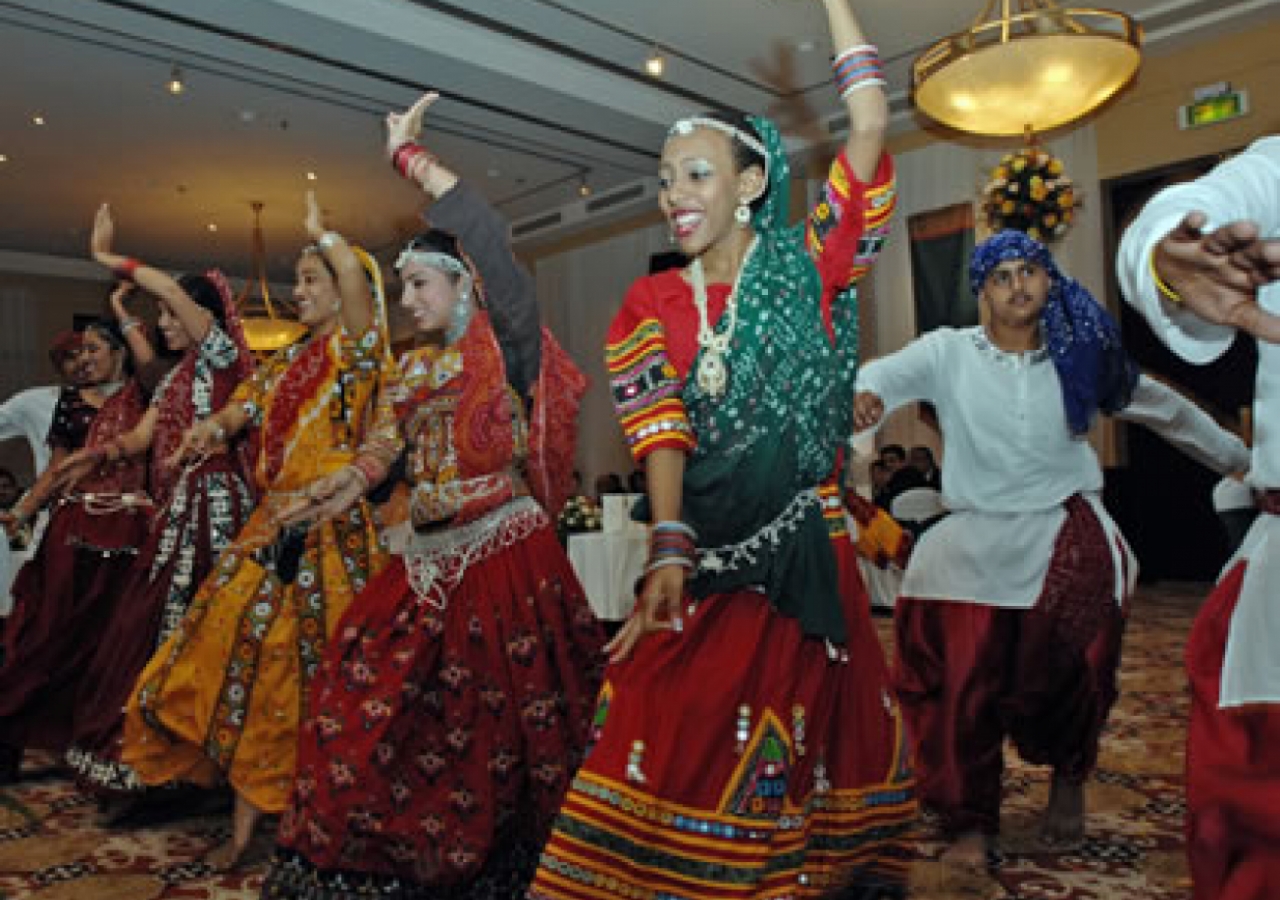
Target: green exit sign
{"x": 1215, "y": 109}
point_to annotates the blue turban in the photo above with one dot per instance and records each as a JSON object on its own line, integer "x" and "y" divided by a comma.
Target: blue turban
{"x": 1082, "y": 338}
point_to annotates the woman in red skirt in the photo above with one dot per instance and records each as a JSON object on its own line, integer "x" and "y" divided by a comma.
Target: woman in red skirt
{"x": 748, "y": 746}
{"x": 455, "y": 700}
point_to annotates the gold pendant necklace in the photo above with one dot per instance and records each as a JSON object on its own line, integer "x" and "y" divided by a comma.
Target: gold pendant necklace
{"x": 713, "y": 369}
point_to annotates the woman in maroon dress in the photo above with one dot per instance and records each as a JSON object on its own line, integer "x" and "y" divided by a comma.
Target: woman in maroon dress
{"x": 199, "y": 507}
{"x": 66, "y": 595}
{"x": 455, "y": 699}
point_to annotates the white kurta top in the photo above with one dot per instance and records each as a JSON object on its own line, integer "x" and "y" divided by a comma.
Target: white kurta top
{"x": 1245, "y": 187}
{"x": 1012, "y": 462}
{"x": 28, "y": 414}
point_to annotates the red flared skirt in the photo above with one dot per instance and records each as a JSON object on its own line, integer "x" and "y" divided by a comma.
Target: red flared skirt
{"x": 740, "y": 759}
{"x": 443, "y": 738}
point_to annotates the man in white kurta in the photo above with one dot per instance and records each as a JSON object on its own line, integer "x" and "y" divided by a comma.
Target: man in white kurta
{"x": 1011, "y": 613}
{"x": 1201, "y": 263}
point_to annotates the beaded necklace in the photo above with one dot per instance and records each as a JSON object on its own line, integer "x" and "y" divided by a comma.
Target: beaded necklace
{"x": 713, "y": 372}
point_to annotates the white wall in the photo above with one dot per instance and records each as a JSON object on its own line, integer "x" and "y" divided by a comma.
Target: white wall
{"x": 580, "y": 292}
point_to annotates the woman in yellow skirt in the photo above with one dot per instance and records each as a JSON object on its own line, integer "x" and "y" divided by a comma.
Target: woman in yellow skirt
{"x": 224, "y": 697}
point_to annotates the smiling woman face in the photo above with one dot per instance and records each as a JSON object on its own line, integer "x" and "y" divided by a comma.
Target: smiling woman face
{"x": 700, "y": 186}
{"x": 316, "y": 293}
{"x": 429, "y": 295}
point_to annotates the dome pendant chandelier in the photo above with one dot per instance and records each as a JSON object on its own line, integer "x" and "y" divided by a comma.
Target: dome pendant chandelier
{"x": 264, "y": 330}
{"x": 1034, "y": 67}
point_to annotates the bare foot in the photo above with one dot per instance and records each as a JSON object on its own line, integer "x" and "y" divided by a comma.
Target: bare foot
{"x": 226, "y": 856}
{"x": 245, "y": 818}
{"x": 968, "y": 851}
{"x": 1063, "y": 823}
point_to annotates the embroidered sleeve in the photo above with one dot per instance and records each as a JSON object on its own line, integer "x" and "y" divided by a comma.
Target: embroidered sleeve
{"x": 218, "y": 350}
{"x": 646, "y": 386}
{"x": 848, "y": 226}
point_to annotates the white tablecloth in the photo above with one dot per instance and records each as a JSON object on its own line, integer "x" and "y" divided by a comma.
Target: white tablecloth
{"x": 608, "y": 566}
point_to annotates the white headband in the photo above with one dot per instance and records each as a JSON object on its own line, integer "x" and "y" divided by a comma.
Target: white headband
{"x": 684, "y": 127}
{"x": 436, "y": 260}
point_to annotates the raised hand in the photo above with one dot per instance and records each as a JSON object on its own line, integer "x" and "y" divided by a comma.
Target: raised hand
{"x": 314, "y": 220}
{"x": 104, "y": 232}
{"x": 1217, "y": 274}
{"x": 119, "y": 294}
{"x": 406, "y": 126}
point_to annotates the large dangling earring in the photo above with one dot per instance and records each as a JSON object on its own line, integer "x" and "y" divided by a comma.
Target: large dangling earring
{"x": 461, "y": 318}
{"x": 742, "y": 214}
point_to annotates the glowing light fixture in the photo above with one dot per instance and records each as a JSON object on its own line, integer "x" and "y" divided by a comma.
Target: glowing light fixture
{"x": 1033, "y": 67}
{"x": 176, "y": 85}
{"x": 656, "y": 64}
{"x": 264, "y": 329}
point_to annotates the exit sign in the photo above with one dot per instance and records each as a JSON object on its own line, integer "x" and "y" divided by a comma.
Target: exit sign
{"x": 1216, "y": 108}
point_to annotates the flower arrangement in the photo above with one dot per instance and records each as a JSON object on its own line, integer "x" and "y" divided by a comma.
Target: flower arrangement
{"x": 1030, "y": 191}
{"x": 579, "y": 513}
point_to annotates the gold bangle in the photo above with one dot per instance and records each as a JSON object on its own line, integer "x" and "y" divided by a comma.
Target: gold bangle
{"x": 1165, "y": 291}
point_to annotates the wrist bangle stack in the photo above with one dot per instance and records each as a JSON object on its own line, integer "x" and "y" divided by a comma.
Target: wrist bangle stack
{"x": 672, "y": 544}
{"x": 1165, "y": 291}
{"x": 328, "y": 240}
{"x": 410, "y": 158}
{"x": 370, "y": 470}
{"x": 129, "y": 323}
{"x": 125, "y": 270}
{"x": 856, "y": 68}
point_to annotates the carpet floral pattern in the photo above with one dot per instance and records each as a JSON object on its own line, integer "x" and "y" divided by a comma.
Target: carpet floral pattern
{"x": 52, "y": 846}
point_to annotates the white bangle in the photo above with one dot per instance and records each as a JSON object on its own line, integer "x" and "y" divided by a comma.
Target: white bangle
{"x": 328, "y": 240}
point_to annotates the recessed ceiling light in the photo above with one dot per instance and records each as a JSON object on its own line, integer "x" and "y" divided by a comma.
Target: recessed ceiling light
{"x": 213, "y": 226}
{"x": 656, "y": 64}
{"x": 806, "y": 46}
{"x": 3, "y": 158}
{"x": 312, "y": 176}
{"x": 176, "y": 85}
{"x": 37, "y": 120}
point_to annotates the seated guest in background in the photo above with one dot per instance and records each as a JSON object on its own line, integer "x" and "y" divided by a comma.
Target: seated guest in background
{"x": 637, "y": 482}
{"x": 902, "y": 477}
{"x": 610, "y": 483}
{"x": 880, "y": 475}
{"x": 921, "y": 459}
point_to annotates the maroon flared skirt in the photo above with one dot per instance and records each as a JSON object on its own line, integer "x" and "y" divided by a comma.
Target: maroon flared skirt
{"x": 446, "y": 730}
{"x": 65, "y": 598}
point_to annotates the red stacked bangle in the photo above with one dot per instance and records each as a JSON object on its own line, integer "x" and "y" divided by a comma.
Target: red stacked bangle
{"x": 407, "y": 158}
{"x": 124, "y": 271}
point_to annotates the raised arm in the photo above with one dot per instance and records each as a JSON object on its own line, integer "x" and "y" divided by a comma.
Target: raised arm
{"x": 860, "y": 79}
{"x": 1186, "y": 426}
{"x": 1194, "y": 260}
{"x": 195, "y": 319}
{"x": 353, "y": 284}
{"x": 484, "y": 233}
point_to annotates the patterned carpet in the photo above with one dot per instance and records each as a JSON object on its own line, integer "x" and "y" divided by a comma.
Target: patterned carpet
{"x": 52, "y": 848}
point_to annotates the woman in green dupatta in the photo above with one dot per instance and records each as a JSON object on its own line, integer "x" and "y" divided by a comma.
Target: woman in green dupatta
{"x": 746, "y": 744}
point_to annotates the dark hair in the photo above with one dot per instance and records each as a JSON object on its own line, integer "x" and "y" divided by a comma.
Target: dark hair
{"x": 109, "y": 331}
{"x": 921, "y": 448}
{"x": 743, "y": 156}
{"x": 205, "y": 294}
{"x": 894, "y": 450}
{"x": 437, "y": 241}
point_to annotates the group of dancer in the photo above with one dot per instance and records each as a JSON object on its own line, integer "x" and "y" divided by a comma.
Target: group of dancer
{"x": 328, "y": 580}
